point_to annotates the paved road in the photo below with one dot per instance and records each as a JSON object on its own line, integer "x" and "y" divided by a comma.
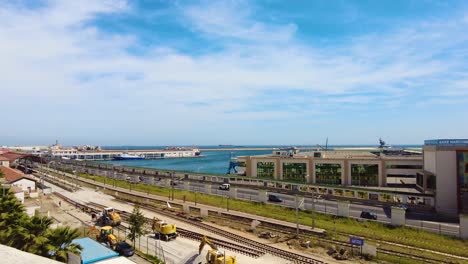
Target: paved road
{"x": 413, "y": 219}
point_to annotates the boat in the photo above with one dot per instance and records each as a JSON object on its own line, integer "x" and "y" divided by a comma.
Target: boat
{"x": 126, "y": 156}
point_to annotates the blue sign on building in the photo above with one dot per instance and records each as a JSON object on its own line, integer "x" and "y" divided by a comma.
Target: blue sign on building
{"x": 446, "y": 142}
{"x": 356, "y": 241}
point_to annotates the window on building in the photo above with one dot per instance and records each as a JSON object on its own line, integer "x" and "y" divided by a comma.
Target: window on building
{"x": 294, "y": 171}
{"x": 241, "y": 164}
{"x": 401, "y": 166}
{"x": 420, "y": 179}
{"x": 365, "y": 174}
{"x": 266, "y": 169}
{"x": 328, "y": 173}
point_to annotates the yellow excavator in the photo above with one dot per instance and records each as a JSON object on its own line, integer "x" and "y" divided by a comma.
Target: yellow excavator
{"x": 164, "y": 230}
{"x": 214, "y": 256}
{"x": 105, "y": 235}
{"x": 109, "y": 217}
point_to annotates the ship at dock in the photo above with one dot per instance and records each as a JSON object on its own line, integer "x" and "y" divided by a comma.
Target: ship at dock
{"x": 126, "y": 156}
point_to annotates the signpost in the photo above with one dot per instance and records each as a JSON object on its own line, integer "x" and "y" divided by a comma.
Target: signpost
{"x": 357, "y": 242}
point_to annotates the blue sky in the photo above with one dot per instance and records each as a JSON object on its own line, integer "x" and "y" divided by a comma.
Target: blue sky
{"x": 232, "y": 72}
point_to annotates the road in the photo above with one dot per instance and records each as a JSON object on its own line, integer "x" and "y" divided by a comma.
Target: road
{"x": 413, "y": 219}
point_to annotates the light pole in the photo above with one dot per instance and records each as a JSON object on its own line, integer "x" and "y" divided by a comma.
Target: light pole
{"x": 313, "y": 209}
{"x": 172, "y": 185}
{"x": 297, "y": 217}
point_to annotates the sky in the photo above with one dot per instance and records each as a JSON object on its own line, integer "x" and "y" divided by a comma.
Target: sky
{"x": 171, "y": 72}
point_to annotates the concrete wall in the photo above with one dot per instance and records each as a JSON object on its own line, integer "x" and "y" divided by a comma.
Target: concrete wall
{"x": 5, "y": 163}
{"x": 446, "y": 182}
{"x": 20, "y": 196}
{"x": 430, "y": 161}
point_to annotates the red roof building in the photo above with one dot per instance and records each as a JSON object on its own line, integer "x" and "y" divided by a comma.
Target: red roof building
{"x": 17, "y": 178}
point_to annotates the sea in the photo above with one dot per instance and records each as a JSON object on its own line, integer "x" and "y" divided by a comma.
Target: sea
{"x": 213, "y": 162}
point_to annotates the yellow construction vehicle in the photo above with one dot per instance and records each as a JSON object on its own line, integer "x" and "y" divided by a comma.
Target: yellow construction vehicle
{"x": 105, "y": 235}
{"x": 164, "y": 230}
{"x": 109, "y": 217}
{"x": 214, "y": 256}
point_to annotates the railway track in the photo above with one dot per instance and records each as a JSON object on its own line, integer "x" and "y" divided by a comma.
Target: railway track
{"x": 274, "y": 251}
{"x": 296, "y": 258}
{"x": 258, "y": 248}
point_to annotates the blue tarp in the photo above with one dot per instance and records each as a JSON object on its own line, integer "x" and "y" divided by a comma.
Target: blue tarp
{"x": 93, "y": 251}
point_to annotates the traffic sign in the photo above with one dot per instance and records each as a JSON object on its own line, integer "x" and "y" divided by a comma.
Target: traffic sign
{"x": 356, "y": 241}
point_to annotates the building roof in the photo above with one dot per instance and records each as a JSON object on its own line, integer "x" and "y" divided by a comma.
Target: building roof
{"x": 12, "y": 156}
{"x": 14, "y": 256}
{"x": 93, "y": 251}
{"x": 12, "y": 175}
{"x": 2, "y": 158}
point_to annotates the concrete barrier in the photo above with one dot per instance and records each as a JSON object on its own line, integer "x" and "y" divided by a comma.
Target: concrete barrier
{"x": 262, "y": 196}
{"x": 186, "y": 208}
{"x": 398, "y": 217}
{"x": 464, "y": 226}
{"x": 208, "y": 188}
{"x": 203, "y": 212}
{"x": 343, "y": 208}
{"x": 233, "y": 192}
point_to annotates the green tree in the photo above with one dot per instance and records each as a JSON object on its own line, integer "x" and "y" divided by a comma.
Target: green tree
{"x": 136, "y": 223}
{"x": 60, "y": 243}
{"x": 12, "y": 218}
{"x": 1, "y": 174}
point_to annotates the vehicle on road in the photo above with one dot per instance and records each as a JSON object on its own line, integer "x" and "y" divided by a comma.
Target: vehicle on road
{"x": 403, "y": 206}
{"x": 274, "y": 198}
{"x": 124, "y": 249}
{"x": 368, "y": 215}
{"x": 225, "y": 186}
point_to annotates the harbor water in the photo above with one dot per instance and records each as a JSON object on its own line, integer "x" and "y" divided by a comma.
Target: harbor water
{"x": 214, "y": 162}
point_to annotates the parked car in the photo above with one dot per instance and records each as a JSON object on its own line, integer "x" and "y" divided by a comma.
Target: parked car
{"x": 274, "y": 198}
{"x": 225, "y": 186}
{"x": 368, "y": 215}
{"x": 124, "y": 249}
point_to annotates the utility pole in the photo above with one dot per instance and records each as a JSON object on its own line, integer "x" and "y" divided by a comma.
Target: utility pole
{"x": 172, "y": 185}
{"x": 227, "y": 201}
{"x": 313, "y": 209}
{"x": 297, "y": 217}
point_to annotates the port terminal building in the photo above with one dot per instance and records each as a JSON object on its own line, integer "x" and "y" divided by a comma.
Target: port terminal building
{"x": 440, "y": 170}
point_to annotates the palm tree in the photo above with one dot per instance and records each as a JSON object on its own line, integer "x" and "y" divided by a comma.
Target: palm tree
{"x": 60, "y": 243}
{"x": 35, "y": 239}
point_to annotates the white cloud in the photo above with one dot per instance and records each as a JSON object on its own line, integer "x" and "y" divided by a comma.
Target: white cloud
{"x": 55, "y": 54}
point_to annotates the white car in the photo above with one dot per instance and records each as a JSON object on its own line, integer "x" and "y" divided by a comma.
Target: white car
{"x": 225, "y": 186}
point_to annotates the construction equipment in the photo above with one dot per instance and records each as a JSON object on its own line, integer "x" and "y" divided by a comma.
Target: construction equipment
{"x": 214, "y": 256}
{"x": 164, "y": 230}
{"x": 109, "y": 217}
{"x": 105, "y": 235}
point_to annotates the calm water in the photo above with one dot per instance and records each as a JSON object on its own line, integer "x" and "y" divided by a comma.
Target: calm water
{"x": 211, "y": 162}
